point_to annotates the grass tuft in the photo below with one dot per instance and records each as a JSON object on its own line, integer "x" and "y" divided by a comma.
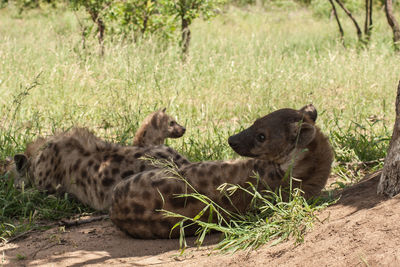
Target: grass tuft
{"x": 271, "y": 217}
{"x": 22, "y": 210}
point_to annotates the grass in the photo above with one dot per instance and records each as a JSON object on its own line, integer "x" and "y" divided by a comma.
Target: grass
{"x": 22, "y": 210}
{"x": 270, "y": 218}
{"x": 243, "y": 65}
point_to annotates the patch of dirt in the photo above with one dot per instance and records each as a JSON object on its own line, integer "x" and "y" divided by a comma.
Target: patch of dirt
{"x": 362, "y": 229}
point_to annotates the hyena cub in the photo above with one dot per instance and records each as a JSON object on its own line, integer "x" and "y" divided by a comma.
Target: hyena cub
{"x": 156, "y": 128}
{"x": 79, "y": 163}
{"x": 282, "y": 140}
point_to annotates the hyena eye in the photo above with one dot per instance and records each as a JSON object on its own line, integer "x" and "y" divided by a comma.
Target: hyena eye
{"x": 260, "y": 137}
{"x": 172, "y": 123}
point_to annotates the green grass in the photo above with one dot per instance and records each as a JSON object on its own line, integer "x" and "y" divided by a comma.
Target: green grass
{"x": 270, "y": 217}
{"x": 22, "y": 210}
{"x": 243, "y": 65}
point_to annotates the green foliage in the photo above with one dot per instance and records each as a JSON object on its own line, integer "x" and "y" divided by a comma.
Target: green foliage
{"x": 141, "y": 17}
{"x": 360, "y": 142}
{"x": 191, "y": 9}
{"x": 21, "y": 209}
{"x": 3, "y": 3}
{"x": 31, "y": 4}
{"x": 93, "y": 6}
{"x": 322, "y": 8}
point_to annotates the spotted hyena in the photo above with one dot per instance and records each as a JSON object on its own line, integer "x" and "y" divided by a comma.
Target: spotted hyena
{"x": 283, "y": 139}
{"x": 156, "y": 128}
{"x": 6, "y": 165}
{"x": 79, "y": 163}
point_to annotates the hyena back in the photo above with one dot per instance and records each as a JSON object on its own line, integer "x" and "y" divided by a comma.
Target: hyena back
{"x": 79, "y": 163}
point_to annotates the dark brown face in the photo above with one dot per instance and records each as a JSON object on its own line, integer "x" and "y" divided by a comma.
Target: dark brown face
{"x": 21, "y": 170}
{"x": 175, "y": 130}
{"x": 274, "y": 136}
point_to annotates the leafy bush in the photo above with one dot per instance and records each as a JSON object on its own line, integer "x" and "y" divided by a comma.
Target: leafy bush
{"x": 322, "y": 8}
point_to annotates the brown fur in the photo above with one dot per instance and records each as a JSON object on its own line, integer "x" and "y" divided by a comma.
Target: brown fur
{"x": 85, "y": 166}
{"x": 5, "y": 166}
{"x": 283, "y": 139}
{"x": 156, "y": 128}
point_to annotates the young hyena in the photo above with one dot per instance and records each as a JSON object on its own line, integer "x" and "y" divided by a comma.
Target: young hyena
{"x": 282, "y": 140}
{"x": 156, "y": 128}
{"x": 79, "y": 163}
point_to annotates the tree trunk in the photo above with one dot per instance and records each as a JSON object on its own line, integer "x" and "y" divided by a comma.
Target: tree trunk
{"x": 185, "y": 37}
{"x": 338, "y": 21}
{"x": 393, "y": 23}
{"x": 389, "y": 184}
{"x": 359, "y": 33}
{"x": 145, "y": 20}
{"x": 101, "y": 27}
{"x": 366, "y": 23}
{"x": 368, "y": 20}
{"x": 370, "y": 17}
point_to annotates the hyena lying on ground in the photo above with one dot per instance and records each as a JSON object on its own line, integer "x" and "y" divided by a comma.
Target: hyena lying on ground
{"x": 281, "y": 140}
{"x": 156, "y": 128}
{"x": 153, "y": 131}
{"x": 85, "y": 166}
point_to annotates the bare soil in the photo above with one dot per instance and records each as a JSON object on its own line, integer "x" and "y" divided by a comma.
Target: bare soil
{"x": 361, "y": 229}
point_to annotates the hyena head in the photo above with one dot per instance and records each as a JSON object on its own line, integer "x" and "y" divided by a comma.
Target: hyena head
{"x": 275, "y": 136}
{"x": 156, "y": 128}
{"x": 20, "y": 167}
{"x": 19, "y": 170}
{"x": 168, "y": 125}
{"x": 7, "y": 166}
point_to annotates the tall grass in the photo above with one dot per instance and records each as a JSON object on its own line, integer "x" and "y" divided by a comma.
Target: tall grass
{"x": 270, "y": 218}
{"x": 243, "y": 64}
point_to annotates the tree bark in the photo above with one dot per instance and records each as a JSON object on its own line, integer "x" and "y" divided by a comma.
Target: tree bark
{"x": 368, "y": 20}
{"x": 366, "y": 23}
{"x": 145, "y": 20}
{"x": 370, "y": 17}
{"x": 338, "y": 21}
{"x": 389, "y": 184}
{"x": 358, "y": 29}
{"x": 101, "y": 27}
{"x": 185, "y": 37}
{"x": 393, "y": 23}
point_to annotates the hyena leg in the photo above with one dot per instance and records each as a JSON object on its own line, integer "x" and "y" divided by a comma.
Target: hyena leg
{"x": 137, "y": 202}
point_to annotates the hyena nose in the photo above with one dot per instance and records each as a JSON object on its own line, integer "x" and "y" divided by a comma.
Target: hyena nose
{"x": 232, "y": 143}
{"x": 183, "y": 130}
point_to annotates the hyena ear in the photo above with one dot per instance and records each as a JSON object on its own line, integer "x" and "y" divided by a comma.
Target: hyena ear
{"x": 21, "y": 163}
{"x": 310, "y": 110}
{"x": 163, "y": 110}
{"x": 304, "y": 133}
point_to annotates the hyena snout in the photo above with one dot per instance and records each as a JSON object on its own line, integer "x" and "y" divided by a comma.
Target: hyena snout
{"x": 178, "y": 131}
{"x": 233, "y": 142}
{"x": 242, "y": 143}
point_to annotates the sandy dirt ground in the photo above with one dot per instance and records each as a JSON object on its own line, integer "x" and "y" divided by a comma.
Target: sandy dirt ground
{"x": 362, "y": 229}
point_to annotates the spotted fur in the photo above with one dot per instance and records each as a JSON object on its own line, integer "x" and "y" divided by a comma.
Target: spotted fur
{"x": 79, "y": 163}
{"x": 281, "y": 140}
{"x": 6, "y": 166}
{"x": 156, "y": 128}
